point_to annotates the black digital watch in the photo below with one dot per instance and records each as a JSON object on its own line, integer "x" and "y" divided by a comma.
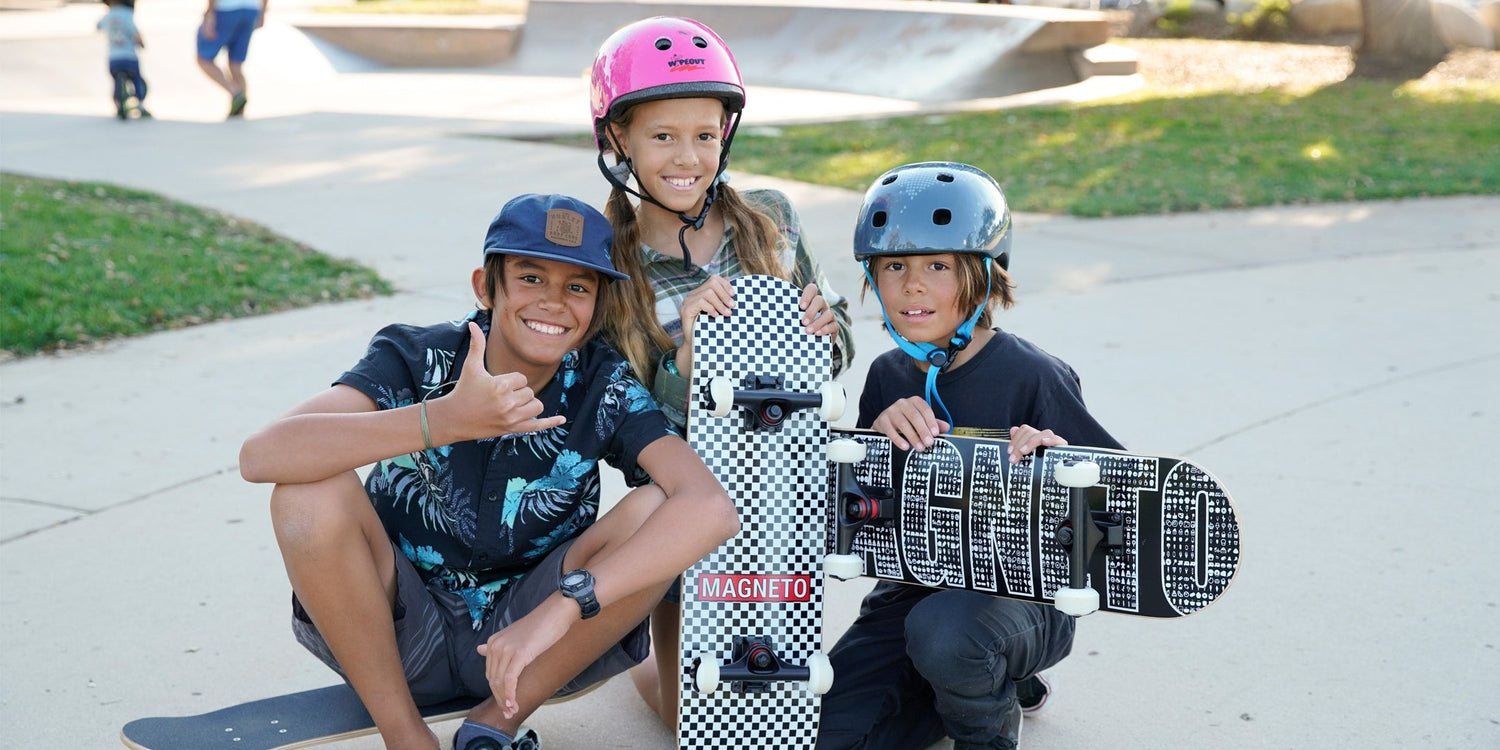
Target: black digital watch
{"x": 578, "y": 585}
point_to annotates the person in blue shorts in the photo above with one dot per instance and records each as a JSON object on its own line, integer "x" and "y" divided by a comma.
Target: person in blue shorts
{"x": 227, "y": 27}
{"x": 919, "y": 664}
{"x": 473, "y": 560}
{"x": 119, "y": 28}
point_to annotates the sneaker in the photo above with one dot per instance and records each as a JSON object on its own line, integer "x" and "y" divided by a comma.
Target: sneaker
{"x": 141, "y": 111}
{"x": 526, "y": 741}
{"x": 237, "y": 105}
{"x": 121, "y": 111}
{"x": 1032, "y": 693}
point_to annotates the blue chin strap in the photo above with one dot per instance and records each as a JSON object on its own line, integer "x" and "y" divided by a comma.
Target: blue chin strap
{"x": 937, "y": 359}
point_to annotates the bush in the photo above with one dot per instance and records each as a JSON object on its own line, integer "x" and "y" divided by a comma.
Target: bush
{"x": 1174, "y": 19}
{"x": 1267, "y": 20}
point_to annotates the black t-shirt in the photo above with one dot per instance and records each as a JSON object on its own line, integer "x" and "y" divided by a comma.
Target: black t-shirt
{"x": 1008, "y": 383}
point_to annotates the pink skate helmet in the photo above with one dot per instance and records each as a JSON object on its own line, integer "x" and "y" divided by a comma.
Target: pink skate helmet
{"x": 662, "y": 58}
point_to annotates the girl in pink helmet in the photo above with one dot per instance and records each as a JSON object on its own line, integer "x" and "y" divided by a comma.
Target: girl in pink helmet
{"x": 667, "y": 97}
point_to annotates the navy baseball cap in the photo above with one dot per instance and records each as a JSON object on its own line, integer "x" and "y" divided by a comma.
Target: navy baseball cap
{"x": 553, "y": 227}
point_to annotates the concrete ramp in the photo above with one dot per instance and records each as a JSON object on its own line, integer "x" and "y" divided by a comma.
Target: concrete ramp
{"x": 918, "y": 51}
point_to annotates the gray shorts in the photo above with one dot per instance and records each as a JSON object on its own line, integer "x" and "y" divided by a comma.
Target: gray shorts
{"x": 438, "y": 643}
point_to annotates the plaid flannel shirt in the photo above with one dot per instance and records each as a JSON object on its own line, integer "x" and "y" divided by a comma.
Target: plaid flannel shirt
{"x": 672, "y": 282}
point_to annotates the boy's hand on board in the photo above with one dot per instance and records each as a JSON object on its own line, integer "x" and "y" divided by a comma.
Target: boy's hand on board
{"x": 1024, "y": 441}
{"x": 910, "y": 424}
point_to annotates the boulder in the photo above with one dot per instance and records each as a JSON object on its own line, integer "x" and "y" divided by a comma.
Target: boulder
{"x": 1460, "y": 26}
{"x": 1323, "y": 17}
{"x": 1489, "y": 13}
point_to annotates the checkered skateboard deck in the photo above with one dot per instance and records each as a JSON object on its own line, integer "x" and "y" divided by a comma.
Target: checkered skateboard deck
{"x": 754, "y": 607}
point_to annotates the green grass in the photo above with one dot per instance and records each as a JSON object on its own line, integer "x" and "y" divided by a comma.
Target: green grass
{"x": 1163, "y": 151}
{"x": 431, "y": 7}
{"x": 84, "y": 262}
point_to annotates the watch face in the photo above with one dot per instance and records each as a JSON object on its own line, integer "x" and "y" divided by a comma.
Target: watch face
{"x": 573, "y": 579}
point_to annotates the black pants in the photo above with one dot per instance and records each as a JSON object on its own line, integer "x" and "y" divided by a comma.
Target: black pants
{"x": 920, "y": 664}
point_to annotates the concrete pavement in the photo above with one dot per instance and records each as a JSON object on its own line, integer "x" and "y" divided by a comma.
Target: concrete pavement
{"x": 1337, "y": 366}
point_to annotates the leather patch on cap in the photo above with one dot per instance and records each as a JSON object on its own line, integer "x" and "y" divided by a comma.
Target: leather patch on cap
{"x": 564, "y": 227}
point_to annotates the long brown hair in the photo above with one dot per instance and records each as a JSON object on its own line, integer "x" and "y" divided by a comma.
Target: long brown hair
{"x": 634, "y": 328}
{"x": 974, "y": 290}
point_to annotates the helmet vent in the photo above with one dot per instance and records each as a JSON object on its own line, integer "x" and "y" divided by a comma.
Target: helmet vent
{"x": 664, "y": 43}
{"x": 944, "y": 177}
{"x": 942, "y": 216}
{"x": 888, "y": 180}
{"x": 700, "y": 42}
{"x": 878, "y": 219}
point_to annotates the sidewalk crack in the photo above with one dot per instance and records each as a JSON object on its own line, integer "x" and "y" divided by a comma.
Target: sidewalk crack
{"x": 1352, "y": 392}
{"x": 89, "y": 513}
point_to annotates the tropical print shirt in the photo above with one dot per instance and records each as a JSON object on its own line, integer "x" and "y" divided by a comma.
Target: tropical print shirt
{"x": 672, "y": 280}
{"x": 476, "y": 516}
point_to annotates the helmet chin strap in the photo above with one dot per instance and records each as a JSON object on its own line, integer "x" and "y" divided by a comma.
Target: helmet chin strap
{"x": 936, "y": 359}
{"x": 617, "y": 173}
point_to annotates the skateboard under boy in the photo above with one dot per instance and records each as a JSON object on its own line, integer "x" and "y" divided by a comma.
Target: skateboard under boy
{"x": 1083, "y": 529}
{"x": 305, "y": 719}
{"x": 752, "y": 610}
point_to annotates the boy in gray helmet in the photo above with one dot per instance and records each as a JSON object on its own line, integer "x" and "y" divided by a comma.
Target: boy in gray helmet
{"x": 919, "y": 664}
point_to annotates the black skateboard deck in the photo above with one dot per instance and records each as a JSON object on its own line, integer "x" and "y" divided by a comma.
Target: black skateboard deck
{"x": 305, "y": 719}
{"x": 1165, "y": 540}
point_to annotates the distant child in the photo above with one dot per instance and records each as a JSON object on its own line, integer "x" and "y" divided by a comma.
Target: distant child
{"x": 228, "y": 26}
{"x": 119, "y": 28}
{"x": 667, "y": 98}
{"x": 919, "y": 664}
{"x": 473, "y": 561}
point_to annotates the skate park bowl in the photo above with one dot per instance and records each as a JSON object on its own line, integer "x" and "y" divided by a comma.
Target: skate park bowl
{"x": 930, "y": 52}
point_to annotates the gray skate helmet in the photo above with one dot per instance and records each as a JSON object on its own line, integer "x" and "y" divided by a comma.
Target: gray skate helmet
{"x": 934, "y": 207}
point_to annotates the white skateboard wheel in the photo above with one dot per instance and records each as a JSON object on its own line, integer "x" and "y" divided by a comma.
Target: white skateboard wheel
{"x": 846, "y": 451}
{"x": 832, "y": 406}
{"x": 1077, "y": 602}
{"x": 844, "y": 567}
{"x": 1080, "y": 474}
{"x": 819, "y": 673}
{"x": 706, "y": 677}
{"x": 722, "y": 393}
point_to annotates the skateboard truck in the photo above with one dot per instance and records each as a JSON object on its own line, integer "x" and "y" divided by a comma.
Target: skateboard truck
{"x": 766, "y": 402}
{"x": 1081, "y": 534}
{"x": 855, "y": 506}
{"x": 756, "y": 665}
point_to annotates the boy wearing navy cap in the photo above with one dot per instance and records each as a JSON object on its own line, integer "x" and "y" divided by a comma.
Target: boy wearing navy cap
{"x": 471, "y": 561}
